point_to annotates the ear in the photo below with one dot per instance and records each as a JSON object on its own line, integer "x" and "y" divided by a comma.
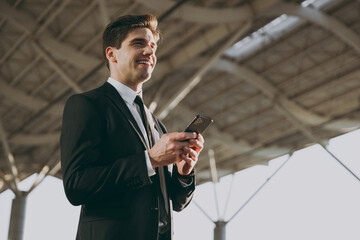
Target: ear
{"x": 110, "y": 54}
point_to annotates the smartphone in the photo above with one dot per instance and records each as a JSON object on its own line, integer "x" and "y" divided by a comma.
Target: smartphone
{"x": 199, "y": 124}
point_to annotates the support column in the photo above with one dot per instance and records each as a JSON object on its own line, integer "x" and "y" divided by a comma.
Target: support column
{"x": 17, "y": 219}
{"x": 220, "y": 230}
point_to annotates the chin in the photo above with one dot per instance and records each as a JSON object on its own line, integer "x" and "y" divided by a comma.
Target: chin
{"x": 146, "y": 77}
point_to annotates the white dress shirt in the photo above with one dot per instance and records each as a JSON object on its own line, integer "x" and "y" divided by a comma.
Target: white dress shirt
{"x": 129, "y": 96}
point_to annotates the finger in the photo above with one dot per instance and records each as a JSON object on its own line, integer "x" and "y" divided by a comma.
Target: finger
{"x": 189, "y": 152}
{"x": 200, "y": 138}
{"x": 196, "y": 144}
{"x": 181, "y": 136}
{"x": 193, "y": 154}
{"x": 180, "y": 152}
{"x": 187, "y": 159}
{"x": 181, "y": 145}
{"x": 173, "y": 145}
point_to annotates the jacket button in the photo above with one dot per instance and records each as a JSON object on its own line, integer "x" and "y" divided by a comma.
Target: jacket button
{"x": 154, "y": 208}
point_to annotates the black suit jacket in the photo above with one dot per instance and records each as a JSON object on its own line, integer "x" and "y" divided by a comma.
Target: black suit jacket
{"x": 104, "y": 169}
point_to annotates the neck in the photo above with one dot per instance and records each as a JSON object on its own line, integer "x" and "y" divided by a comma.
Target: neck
{"x": 137, "y": 87}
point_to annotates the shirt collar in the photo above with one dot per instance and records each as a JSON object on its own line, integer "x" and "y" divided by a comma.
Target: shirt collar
{"x": 125, "y": 92}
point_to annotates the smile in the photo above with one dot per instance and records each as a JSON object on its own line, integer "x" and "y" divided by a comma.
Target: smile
{"x": 146, "y": 62}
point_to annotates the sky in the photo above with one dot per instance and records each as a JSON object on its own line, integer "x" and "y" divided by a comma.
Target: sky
{"x": 311, "y": 197}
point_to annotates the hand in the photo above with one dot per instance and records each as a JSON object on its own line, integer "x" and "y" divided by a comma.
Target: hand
{"x": 188, "y": 160}
{"x": 171, "y": 147}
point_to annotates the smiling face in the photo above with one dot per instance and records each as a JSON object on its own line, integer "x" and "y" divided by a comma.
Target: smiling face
{"x": 133, "y": 63}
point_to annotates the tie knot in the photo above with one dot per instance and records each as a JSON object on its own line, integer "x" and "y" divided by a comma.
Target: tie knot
{"x": 138, "y": 101}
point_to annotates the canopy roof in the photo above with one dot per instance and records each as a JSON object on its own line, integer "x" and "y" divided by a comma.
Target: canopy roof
{"x": 275, "y": 76}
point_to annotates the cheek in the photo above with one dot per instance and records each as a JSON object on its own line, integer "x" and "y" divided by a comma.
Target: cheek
{"x": 128, "y": 62}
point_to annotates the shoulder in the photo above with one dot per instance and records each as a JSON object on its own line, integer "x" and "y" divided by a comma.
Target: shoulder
{"x": 84, "y": 102}
{"x": 94, "y": 96}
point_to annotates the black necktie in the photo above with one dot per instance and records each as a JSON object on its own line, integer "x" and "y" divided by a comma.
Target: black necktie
{"x": 164, "y": 207}
{"x": 141, "y": 110}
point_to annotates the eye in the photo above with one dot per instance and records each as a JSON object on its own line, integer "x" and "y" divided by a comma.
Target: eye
{"x": 138, "y": 43}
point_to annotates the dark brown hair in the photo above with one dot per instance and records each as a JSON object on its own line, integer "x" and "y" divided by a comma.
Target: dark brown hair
{"x": 117, "y": 30}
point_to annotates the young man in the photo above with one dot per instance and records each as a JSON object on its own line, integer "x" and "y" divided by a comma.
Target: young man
{"x": 118, "y": 161}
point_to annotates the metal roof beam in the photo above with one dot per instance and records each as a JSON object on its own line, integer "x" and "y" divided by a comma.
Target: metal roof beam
{"x": 203, "y": 41}
{"x": 59, "y": 49}
{"x": 25, "y": 70}
{"x": 240, "y": 147}
{"x": 10, "y": 160}
{"x": 104, "y": 12}
{"x": 270, "y": 91}
{"x": 35, "y": 139}
{"x": 165, "y": 49}
{"x": 199, "y": 45}
{"x": 311, "y": 136}
{"x": 62, "y": 34}
{"x": 13, "y": 48}
{"x": 4, "y": 19}
{"x": 78, "y": 18}
{"x": 20, "y": 97}
{"x": 277, "y": 97}
{"x": 317, "y": 17}
{"x": 48, "y": 8}
{"x": 52, "y": 62}
{"x": 45, "y": 171}
{"x": 51, "y": 17}
{"x": 190, "y": 13}
{"x": 26, "y": 100}
{"x": 37, "y": 104}
{"x": 196, "y": 78}
{"x": 4, "y": 183}
{"x": 53, "y": 161}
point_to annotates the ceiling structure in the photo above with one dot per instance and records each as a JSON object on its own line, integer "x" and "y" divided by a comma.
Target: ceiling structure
{"x": 276, "y": 76}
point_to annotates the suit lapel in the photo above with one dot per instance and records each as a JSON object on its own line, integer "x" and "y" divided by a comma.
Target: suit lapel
{"x": 110, "y": 92}
{"x": 156, "y": 123}
{"x": 161, "y": 132}
{"x": 152, "y": 122}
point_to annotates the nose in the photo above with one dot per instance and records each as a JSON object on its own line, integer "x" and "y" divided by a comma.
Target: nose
{"x": 148, "y": 50}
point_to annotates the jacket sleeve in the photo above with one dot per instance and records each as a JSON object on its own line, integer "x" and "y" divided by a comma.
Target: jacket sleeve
{"x": 180, "y": 193}
{"x": 87, "y": 176}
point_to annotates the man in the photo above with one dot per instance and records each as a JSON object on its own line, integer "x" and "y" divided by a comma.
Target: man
{"x": 117, "y": 160}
